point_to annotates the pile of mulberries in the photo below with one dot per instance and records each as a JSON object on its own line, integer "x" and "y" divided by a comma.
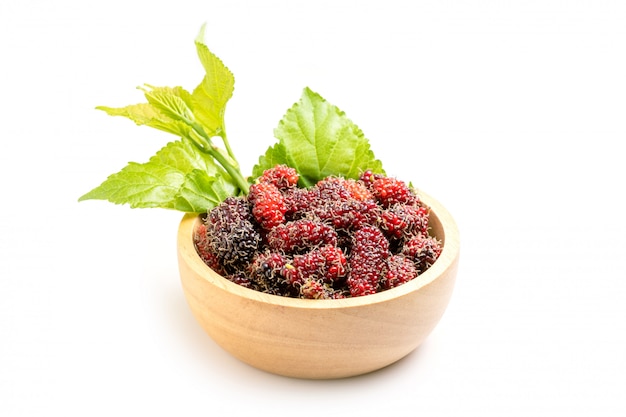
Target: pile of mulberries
{"x": 339, "y": 238}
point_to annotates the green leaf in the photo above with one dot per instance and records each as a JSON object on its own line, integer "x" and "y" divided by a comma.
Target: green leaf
{"x": 149, "y": 115}
{"x": 200, "y": 192}
{"x": 174, "y": 102}
{"x": 318, "y": 140}
{"x": 209, "y": 98}
{"x": 274, "y": 155}
{"x": 165, "y": 180}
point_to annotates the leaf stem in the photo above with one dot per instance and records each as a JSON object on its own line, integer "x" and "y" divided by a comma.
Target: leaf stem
{"x": 234, "y": 172}
{"x": 205, "y": 144}
{"x": 225, "y": 139}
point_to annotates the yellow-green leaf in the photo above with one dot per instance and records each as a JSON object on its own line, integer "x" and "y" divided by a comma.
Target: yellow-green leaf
{"x": 149, "y": 115}
{"x": 209, "y": 98}
{"x": 164, "y": 180}
{"x": 174, "y": 102}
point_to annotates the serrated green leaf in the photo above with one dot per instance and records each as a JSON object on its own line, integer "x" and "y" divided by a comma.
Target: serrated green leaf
{"x": 200, "y": 192}
{"x": 318, "y": 140}
{"x": 275, "y": 155}
{"x": 209, "y": 98}
{"x": 148, "y": 115}
{"x": 174, "y": 102}
{"x": 158, "y": 182}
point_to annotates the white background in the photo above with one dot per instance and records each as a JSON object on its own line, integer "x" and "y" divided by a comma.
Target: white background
{"x": 512, "y": 114}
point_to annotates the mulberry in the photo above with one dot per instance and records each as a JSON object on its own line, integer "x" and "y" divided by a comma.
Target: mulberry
{"x": 349, "y": 215}
{"x": 204, "y": 249}
{"x": 315, "y": 290}
{"x": 423, "y": 250}
{"x": 267, "y": 271}
{"x": 327, "y": 263}
{"x": 331, "y": 189}
{"x": 268, "y": 205}
{"x": 240, "y": 279}
{"x": 230, "y": 233}
{"x": 367, "y": 178}
{"x": 326, "y": 192}
{"x": 355, "y": 189}
{"x": 298, "y": 201}
{"x": 300, "y": 235}
{"x": 389, "y": 191}
{"x": 339, "y": 238}
{"x": 358, "y": 190}
{"x": 281, "y": 176}
{"x": 402, "y": 221}
{"x": 398, "y": 270}
{"x": 231, "y": 210}
{"x": 369, "y": 252}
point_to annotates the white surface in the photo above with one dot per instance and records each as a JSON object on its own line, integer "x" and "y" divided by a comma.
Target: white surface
{"x": 524, "y": 101}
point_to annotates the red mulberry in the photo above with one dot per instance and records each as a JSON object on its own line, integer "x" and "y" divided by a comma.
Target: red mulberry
{"x": 327, "y": 264}
{"x": 389, "y": 191}
{"x": 368, "y": 178}
{"x": 398, "y": 270}
{"x": 299, "y": 235}
{"x": 369, "y": 252}
{"x": 268, "y": 205}
{"x": 281, "y": 176}
{"x": 319, "y": 197}
{"x": 330, "y": 189}
{"x": 324, "y": 193}
{"x": 423, "y": 250}
{"x": 402, "y": 221}
{"x": 355, "y": 189}
{"x": 349, "y": 215}
{"x": 298, "y": 201}
{"x": 204, "y": 249}
{"x": 315, "y": 290}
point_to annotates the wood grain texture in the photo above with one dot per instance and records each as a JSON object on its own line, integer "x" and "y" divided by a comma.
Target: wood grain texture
{"x": 320, "y": 339}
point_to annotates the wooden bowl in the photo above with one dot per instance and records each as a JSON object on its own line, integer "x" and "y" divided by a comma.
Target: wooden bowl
{"x": 320, "y": 339}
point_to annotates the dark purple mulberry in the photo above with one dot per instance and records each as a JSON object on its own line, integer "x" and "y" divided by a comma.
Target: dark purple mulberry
{"x": 231, "y": 234}
{"x": 267, "y": 271}
{"x": 240, "y": 279}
